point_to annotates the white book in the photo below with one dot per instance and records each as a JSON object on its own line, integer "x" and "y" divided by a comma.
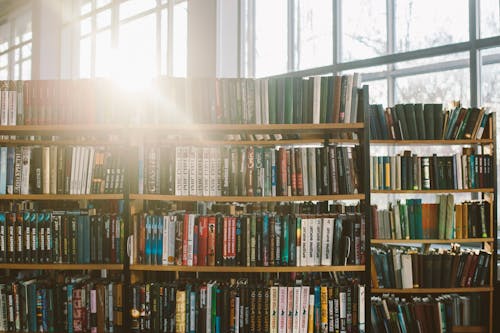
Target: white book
{"x": 25, "y": 169}
{"x": 316, "y": 99}
{"x": 46, "y": 170}
{"x": 304, "y": 261}
{"x": 199, "y": 171}
{"x": 172, "y": 221}
{"x": 393, "y": 172}
{"x": 12, "y": 107}
{"x": 190, "y": 239}
{"x": 164, "y": 236}
{"x": 282, "y": 308}
{"x": 178, "y": 170}
{"x": 348, "y": 99}
{"x": 397, "y": 222}
{"x": 4, "y": 106}
{"x": 185, "y": 171}
{"x": 273, "y": 303}
{"x": 213, "y": 171}
{"x": 90, "y": 170}
{"x": 361, "y": 308}
{"x": 343, "y": 309}
{"x": 82, "y": 166}
{"x": 75, "y": 157}
{"x": 206, "y": 171}
{"x": 3, "y": 170}
{"x": 311, "y": 240}
{"x": 208, "y": 324}
{"x": 218, "y": 170}
{"x": 406, "y": 271}
{"x": 459, "y": 179}
{"x": 304, "y": 309}
{"x": 318, "y": 226}
{"x": 236, "y": 314}
{"x": 192, "y": 311}
{"x": 289, "y": 306}
{"x": 193, "y": 168}
{"x": 297, "y": 296}
{"x": 327, "y": 241}
{"x": 53, "y": 169}
{"x": 109, "y": 305}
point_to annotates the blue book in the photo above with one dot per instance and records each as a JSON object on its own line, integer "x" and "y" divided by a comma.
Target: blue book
{"x": 11, "y": 152}
{"x": 69, "y": 306}
{"x": 148, "y": 239}
{"x": 285, "y": 236}
{"x": 159, "y": 239}
{"x": 265, "y": 240}
{"x": 3, "y": 170}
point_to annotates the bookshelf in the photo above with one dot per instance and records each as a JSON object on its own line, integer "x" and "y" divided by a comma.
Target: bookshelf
{"x": 399, "y": 197}
{"x": 44, "y": 124}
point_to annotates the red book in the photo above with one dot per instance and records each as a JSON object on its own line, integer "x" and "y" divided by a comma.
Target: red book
{"x": 232, "y": 240}
{"x": 225, "y": 240}
{"x": 203, "y": 241}
{"x": 211, "y": 241}
{"x": 298, "y": 169}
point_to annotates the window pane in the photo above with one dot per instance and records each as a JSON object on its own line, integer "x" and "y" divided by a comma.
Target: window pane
{"x": 85, "y": 26}
{"x": 489, "y": 11}
{"x": 137, "y": 48}
{"x": 85, "y": 8}
{"x": 180, "y": 40}
{"x": 3, "y": 74}
{"x": 17, "y": 54}
{"x": 102, "y": 3}
{"x": 163, "y": 39}
{"x": 103, "y": 19}
{"x": 377, "y": 91}
{"x": 85, "y": 50}
{"x": 490, "y": 76}
{"x": 103, "y": 54}
{"x": 26, "y": 68}
{"x": 17, "y": 70}
{"x": 364, "y": 29}
{"x": 440, "y": 87}
{"x": 133, "y": 7}
{"x": 427, "y": 23}
{"x": 4, "y": 60}
{"x": 26, "y": 51}
{"x": 270, "y": 37}
{"x": 315, "y": 34}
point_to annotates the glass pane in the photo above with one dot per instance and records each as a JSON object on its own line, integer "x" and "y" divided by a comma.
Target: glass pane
{"x": 133, "y": 7}
{"x": 163, "y": 41}
{"x": 103, "y": 54}
{"x": 85, "y": 8}
{"x": 433, "y": 60}
{"x": 137, "y": 48}
{"x": 85, "y": 50}
{"x": 489, "y": 11}
{"x": 315, "y": 34}
{"x": 26, "y": 68}
{"x": 27, "y": 36}
{"x": 26, "y": 51}
{"x": 378, "y": 91}
{"x": 103, "y": 19}
{"x": 270, "y": 37}
{"x": 440, "y": 87}
{"x": 102, "y": 3}
{"x": 3, "y": 74}
{"x": 427, "y": 23}
{"x": 17, "y": 70}
{"x": 4, "y": 60}
{"x": 180, "y": 40}
{"x": 17, "y": 54}
{"x": 490, "y": 78}
{"x": 364, "y": 29}
{"x": 85, "y": 26}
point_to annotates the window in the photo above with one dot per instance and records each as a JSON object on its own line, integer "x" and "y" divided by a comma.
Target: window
{"x": 15, "y": 46}
{"x": 117, "y": 38}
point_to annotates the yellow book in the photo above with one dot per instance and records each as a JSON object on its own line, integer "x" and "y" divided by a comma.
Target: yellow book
{"x": 180, "y": 311}
{"x": 324, "y": 308}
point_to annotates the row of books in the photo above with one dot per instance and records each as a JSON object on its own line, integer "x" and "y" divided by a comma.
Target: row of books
{"x": 325, "y": 99}
{"x": 408, "y": 171}
{"x": 428, "y": 122}
{"x": 401, "y": 267}
{"x": 250, "y": 171}
{"x": 60, "y": 170}
{"x": 78, "y": 304}
{"x": 220, "y": 306}
{"x": 412, "y": 219}
{"x": 263, "y": 239}
{"x": 71, "y": 237}
{"x": 440, "y": 313}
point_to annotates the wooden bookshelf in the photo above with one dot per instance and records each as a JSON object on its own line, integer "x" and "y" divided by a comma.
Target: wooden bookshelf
{"x": 72, "y": 130}
{"x": 469, "y": 329}
{"x": 431, "y": 241}
{"x": 63, "y": 267}
{"x": 62, "y": 197}
{"x": 245, "y": 269}
{"x": 160, "y": 197}
{"x": 431, "y": 142}
{"x": 470, "y": 190}
{"x": 467, "y": 290}
{"x": 263, "y": 143}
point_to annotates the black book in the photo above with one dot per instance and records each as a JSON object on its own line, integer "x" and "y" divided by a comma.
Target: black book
{"x": 106, "y": 239}
{"x": 219, "y": 240}
{"x": 401, "y": 114}
{"x": 258, "y": 241}
{"x": 292, "y": 237}
{"x": 35, "y": 181}
{"x": 19, "y": 239}
{"x": 325, "y": 172}
{"x": 447, "y": 261}
{"x": 319, "y": 171}
{"x": 428, "y": 266}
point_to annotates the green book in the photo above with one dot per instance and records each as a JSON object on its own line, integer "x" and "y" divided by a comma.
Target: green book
{"x": 429, "y": 121}
{"x": 410, "y": 204}
{"x": 411, "y": 121}
{"x": 272, "y": 92}
{"x": 442, "y": 216}
{"x": 280, "y": 101}
{"x": 288, "y": 112}
{"x": 420, "y": 119}
{"x": 438, "y": 121}
{"x": 417, "y": 209}
{"x": 403, "y": 216}
{"x": 450, "y": 217}
{"x": 401, "y": 114}
{"x": 323, "y": 100}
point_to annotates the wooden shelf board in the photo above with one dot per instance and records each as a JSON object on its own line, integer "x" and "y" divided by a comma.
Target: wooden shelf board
{"x": 469, "y": 329}
{"x": 430, "y": 290}
{"x": 470, "y": 190}
{"x": 431, "y": 241}
{"x": 63, "y": 266}
{"x": 15, "y": 142}
{"x": 285, "y": 142}
{"x": 245, "y": 269}
{"x": 430, "y": 142}
{"x": 61, "y": 197}
{"x": 58, "y": 129}
{"x": 246, "y": 198}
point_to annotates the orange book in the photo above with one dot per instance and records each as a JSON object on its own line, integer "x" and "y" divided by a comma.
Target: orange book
{"x": 465, "y": 220}
{"x": 458, "y": 221}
